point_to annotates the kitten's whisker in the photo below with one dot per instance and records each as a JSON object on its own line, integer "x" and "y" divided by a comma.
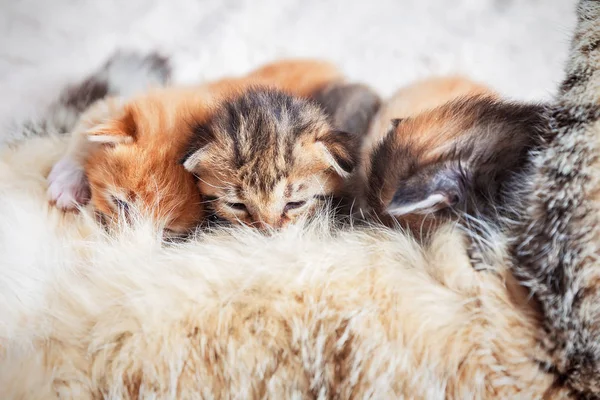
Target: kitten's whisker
{"x": 209, "y": 184}
{"x": 210, "y": 201}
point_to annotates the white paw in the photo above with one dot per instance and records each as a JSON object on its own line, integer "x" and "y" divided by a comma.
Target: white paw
{"x": 68, "y": 187}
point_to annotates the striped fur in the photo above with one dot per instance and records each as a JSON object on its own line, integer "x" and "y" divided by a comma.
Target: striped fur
{"x": 147, "y": 136}
{"x": 556, "y": 246}
{"x": 137, "y": 144}
{"x": 266, "y": 158}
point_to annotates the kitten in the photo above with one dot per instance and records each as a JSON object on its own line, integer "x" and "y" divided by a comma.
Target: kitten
{"x": 265, "y": 158}
{"x": 97, "y": 98}
{"x": 133, "y": 164}
{"x": 455, "y": 159}
{"x": 350, "y": 107}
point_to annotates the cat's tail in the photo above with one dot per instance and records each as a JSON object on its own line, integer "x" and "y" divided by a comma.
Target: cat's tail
{"x": 557, "y": 246}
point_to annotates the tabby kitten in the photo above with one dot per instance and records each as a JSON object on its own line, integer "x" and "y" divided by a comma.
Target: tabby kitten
{"x": 265, "y": 158}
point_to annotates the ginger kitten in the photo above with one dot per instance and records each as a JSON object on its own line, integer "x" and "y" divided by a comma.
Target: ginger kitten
{"x": 264, "y": 158}
{"x": 94, "y": 100}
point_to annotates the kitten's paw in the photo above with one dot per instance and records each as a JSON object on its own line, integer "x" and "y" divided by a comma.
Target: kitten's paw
{"x": 68, "y": 187}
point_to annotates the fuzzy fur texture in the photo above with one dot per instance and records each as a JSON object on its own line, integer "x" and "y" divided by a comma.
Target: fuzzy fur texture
{"x": 557, "y": 244}
{"x": 91, "y": 103}
{"x": 265, "y": 158}
{"x": 138, "y": 146}
{"x": 306, "y": 313}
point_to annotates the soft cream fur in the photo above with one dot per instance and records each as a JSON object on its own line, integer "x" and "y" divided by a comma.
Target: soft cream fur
{"x": 306, "y": 313}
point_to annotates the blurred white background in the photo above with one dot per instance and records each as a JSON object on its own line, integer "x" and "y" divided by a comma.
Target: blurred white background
{"x": 516, "y": 46}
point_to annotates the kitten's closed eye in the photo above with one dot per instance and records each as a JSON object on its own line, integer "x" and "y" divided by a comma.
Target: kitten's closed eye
{"x": 237, "y": 206}
{"x": 121, "y": 205}
{"x": 293, "y": 205}
{"x": 122, "y": 208}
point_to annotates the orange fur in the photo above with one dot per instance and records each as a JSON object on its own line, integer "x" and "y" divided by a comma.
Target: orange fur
{"x": 417, "y": 98}
{"x": 301, "y": 77}
{"x": 144, "y": 170}
{"x": 455, "y": 161}
{"x": 425, "y": 128}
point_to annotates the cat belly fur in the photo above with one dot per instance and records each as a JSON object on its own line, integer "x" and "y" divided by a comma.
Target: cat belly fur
{"x": 307, "y": 312}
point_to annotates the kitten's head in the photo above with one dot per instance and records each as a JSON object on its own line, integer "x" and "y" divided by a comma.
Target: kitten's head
{"x": 457, "y": 157}
{"x": 135, "y": 168}
{"x": 265, "y": 158}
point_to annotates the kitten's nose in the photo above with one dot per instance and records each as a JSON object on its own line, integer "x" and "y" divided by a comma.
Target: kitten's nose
{"x": 268, "y": 222}
{"x": 260, "y": 225}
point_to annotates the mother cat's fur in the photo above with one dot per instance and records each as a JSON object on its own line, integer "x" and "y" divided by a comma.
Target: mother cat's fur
{"x": 556, "y": 241}
{"x": 307, "y": 313}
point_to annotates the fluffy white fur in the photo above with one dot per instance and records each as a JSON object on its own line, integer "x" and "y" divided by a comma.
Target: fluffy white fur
{"x": 306, "y": 313}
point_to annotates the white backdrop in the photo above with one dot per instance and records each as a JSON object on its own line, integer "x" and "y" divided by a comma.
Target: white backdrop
{"x": 517, "y": 46}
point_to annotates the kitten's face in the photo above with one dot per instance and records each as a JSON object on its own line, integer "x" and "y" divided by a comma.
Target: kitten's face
{"x": 266, "y": 158}
{"x": 137, "y": 169}
{"x": 126, "y": 180}
{"x": 239, "y": 198}
{"x": 456, "y": 157}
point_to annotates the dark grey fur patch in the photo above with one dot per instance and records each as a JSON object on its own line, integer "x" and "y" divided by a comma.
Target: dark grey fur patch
{"x": 80, "y": 97}
{"x": 161, "y": 66}
{"x": 576, "y": 78}
{"x": 350, "y": 106}
{"x": 77, "y": 98}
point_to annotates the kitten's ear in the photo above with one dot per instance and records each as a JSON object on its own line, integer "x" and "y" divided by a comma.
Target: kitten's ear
{"x": 440, "y": 187}
{"x": 197, "y": 153}
{"x": 395, "y": 122}
{"x": 340, "y": 150}
{"x": 120, "y": 130}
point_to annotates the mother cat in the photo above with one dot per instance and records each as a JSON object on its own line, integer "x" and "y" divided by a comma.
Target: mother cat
{"x": 307, "y": 314}
{"x": 556, "y": 242}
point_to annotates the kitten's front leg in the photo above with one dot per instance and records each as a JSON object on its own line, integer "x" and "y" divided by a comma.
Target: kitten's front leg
{"x": 67, "y": 185}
